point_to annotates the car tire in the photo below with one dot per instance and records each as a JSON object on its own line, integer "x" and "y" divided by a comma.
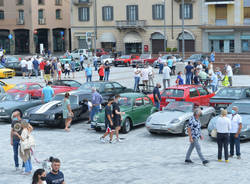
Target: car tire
{"x": 62, "y": 124}
{"x": 98, "y": 129}
{"x": 115, "y": 65}
{"x": 127, "y": 126}
{"x": 185, "y": 129}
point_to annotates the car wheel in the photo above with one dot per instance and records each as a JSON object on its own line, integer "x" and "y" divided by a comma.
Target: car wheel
{"x": 127, "y": 126}
{"x": 98, "y": 129}
{"x": 62, "y": 124}
{"x": 127, "y": 64}
{"x": 13, "y": 113}
{"x": 115, "y": 65}
{"x": 185, "y": 129}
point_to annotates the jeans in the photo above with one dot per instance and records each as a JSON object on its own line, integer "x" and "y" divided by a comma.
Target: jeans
{"x": 222, "y": 141}
{"x": 28, "y": 165}
{"x": 195, "y": 144}
{"x": 89, "y": 78}
{"x": 236, "y": 142}
{"x": 230, "y": 81}
{"x": 188, "y": 78}
{"x": 15, "y": 150}
{"x": 106, "y": 76}
{"x": 137, "y": 81}
{"x": 157, "y": 105}
{"x": 94, "y": 111}
{"x": 36, "y": 72}
{"x": 161, "y": 68}
{"x": 95, "y": 65}
{"x": 164, "y": 83}
{"x": 214, "y": 88}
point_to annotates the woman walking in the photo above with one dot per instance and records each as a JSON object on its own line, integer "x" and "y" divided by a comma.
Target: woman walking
{"x": 39, "y": 177}
{"x": 179, "y": 80}
{"x": 25, "y": 146}
{"x": 101, "y": 72}
{"x": 223, "y": 126}
{"x": 67, "y": 69}
{"x": 67, "y": 112}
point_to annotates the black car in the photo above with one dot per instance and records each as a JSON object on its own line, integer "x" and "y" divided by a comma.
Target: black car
{"x": 69, "y": 83}
{"x": 226, "y": 96}
{"x": 15, "y": 65}
{"x": 106, "y": 89}
{"x": 51, "y": 113}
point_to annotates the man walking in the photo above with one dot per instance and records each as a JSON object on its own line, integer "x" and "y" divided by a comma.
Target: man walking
{"x": 150, "y": 76}
{"x": 166, "y": 76}
{"x": 36, "y": 66}
{"x": 194, "y": 133}
{"x": 24, "y": 67}
{"x": 229, "y": 74}
{"x": 107, "y": 71}
{"x": 47, "y": 72}
{"x": 55, "y": 176}
{"x": 144, "y": 76}
{"x": 108, "y": 122}
{"x": 117, "y": 118}
{"x": 157, "y": 96}
{"x": 96, "y": 104}
{"x": 29, "y": 67}
{"x": 236, "y": 126}
{"x": 189, "y": 72}
{"x": 47, "y": 93}
{"x": 81, "y": 61}
{"x": 137, "y": 74}
{"x": 88, "y": 73}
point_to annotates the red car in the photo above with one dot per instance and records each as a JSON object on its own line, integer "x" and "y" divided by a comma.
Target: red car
{"x": 100, "y": 52}
{"x": 26, "y": 88}
{"x": 144, "y": 58}
{"x": 197, "y": 94}
{"x": 125, "y": 60}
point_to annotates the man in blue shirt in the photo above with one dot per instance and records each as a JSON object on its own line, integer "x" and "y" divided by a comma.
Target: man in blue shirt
{"x": 189, "y": 73}
{"x": 214, "y": 81}
{"x": 88, "y": 73}
{"x": 55, "y": 176}
{"x": 157, "y": 96}
{"x": 96, "y": 104}
{"x": 81, "y": 61}
{"x": 212, "y": 57}
{"x": 35, "y": 66}
{"x": 47, "y": 93}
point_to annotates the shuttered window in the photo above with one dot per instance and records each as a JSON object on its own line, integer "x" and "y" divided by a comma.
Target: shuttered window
{"x": 107, "y": 13}
{"x": 221, "y": 11}
{"x": 83, "y": 14}
{"x": 158, "y": 11}
{"x": 132, "y": 12}
{"x": 1, "y": 3}
{"x": 188, "y": 11}
{"x": 1, "y": 14}
{"x": 247, "y": 12}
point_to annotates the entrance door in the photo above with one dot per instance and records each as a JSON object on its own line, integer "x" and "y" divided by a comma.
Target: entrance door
{"x": 22, "y": 41}
{"x": 133, "y": 48}
{"x": 157, "y": 46}
{"x": 188, "y": 44}
{"x": 42, "y": 38}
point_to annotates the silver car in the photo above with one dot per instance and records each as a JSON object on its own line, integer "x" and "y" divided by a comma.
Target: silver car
{"x": 175, "y": 116}
{"x": 244, "y": 106}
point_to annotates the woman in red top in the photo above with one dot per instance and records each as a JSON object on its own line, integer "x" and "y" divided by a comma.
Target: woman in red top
{"x": 101, "y": 72}
{"x": 41, "y": 65}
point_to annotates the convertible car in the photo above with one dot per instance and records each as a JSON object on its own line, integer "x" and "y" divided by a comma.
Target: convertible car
{"x": 175, "y": 116}
{"x": 27, "y": 88}
{"x": 51, "y": 113}
{"x": 16, "y": 102}
{"x": 244, "y": 106}
{"x": 137, "y": 108}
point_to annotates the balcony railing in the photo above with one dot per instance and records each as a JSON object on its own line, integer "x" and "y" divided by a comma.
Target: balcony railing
{"x": 82, "y": 2}
{"x": 126, "y": 24}
{"x": 42, "y": 21}
{"x": 20, "y": 21}
{"x": 221, "y": 22}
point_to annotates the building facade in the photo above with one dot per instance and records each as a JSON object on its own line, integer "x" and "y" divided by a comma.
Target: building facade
{"x": 226, "y": 26}
{"x": 136, "y": 26}
{"x": 26, "y": 24}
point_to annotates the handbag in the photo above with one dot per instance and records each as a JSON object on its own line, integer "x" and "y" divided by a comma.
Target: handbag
{"x": 28, "y": 143}
{"x": 214, "y": 133}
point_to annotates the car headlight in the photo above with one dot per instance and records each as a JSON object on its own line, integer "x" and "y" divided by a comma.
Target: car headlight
{"x": 149, "y": 118}
{"x": 2, "y": 110}
{"x": 175, "y": 121}
{"x": 52, "y": 116}
{"x": 26, "y": 114}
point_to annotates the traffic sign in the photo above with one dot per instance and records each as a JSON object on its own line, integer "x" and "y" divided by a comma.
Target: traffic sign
{"x": 10, "y": 36}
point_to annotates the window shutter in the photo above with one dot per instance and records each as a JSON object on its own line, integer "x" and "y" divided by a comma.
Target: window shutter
{"x": 127, "y": 12}
{"x": 136, "y": 10}
{"x": 88, "y": 14}
{"x": 79, "y": 14}
{"x": 112, "y": 13}
{"x": 103, "y": 13}
{"x": 180, "y": 11}
{"x": 153, "y": 12}
{"x": 191, "y": 11}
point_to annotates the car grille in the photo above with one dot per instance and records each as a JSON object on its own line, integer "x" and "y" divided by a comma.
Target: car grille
{"x": 8, "y": 73}
{"x": 37, "y": 117}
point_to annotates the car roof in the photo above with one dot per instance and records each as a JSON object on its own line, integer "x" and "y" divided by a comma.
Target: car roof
{"x": 133, "y": 95}
{"x": 184, "y": 86}
{"x": 245, "y": 101}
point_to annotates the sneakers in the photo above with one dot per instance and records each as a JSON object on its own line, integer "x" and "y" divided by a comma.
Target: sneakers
{"x": 230, "y": 156}
{"x": 102, "y": 140}
{"x": 188, "y": 161}
{"x": 238, "y": 157}
{"x": 219, "y": 160}
{"x": 205, "y": 162}
{"x": 118, "y": 140}
{"x": 110, "y": 141}
{"x": 226, "y": 161}
{"x": 17, "y": 169}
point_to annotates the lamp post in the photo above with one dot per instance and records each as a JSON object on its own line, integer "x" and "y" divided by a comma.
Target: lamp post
{"x": 165, "y": 45}
{"x": 95, "y": 25}
{"x": 183, "y": 41}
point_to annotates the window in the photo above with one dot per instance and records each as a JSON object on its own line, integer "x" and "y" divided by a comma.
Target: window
{"x": 108, "y": 87}
{"x": 138, "y": 102}
{"x": 58, "y": 14}
{"x": 221, "y": 14}
{"x": 1, "y": 2}
{"x": 58, "y": 2}
{"x": 202, "y": 91}
{"x": 117, "y": 86}
{"x": 1, "y": 14}
{"x": 83, "y": 1}
{"x": 132, "y": 12}
{"x": 193, "y": 92}
{"x": 173, "y": 93}
{"x": 40, "y": 14}
{"x": 83, "y": 14}
{"x": 107, "y": 13}
{"x": 188, "y": 11}
{"x": 19, "y": 2}
{"x": 41, "y": 2}
{"x": 21, "y": 14}
{"x": 158, "y": 12}
{"x": 34, "y": 87}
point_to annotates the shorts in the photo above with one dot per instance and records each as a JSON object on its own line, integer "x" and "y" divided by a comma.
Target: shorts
{"x": 59, "y": 72}
{"x": 30, "y": 71}
{"x": 117, "y": 123}
{"x": 47, "y": 77}
{"x": 24, "y": 69}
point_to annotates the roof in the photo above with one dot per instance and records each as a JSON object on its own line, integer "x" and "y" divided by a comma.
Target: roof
{"x": 183, "y": 86}
{"x": 133, "y": 95}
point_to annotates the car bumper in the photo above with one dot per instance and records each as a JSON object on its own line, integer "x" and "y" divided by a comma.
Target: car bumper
{"x": 43, "y": 122}
{"x": 97, "y": 125}
{"x": 4, "y": 116}
{"x": 178, "y": 129}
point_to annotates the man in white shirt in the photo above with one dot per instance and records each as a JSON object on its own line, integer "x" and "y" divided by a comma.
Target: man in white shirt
{"x": 137, "y": 74}
{"x": 29, "y": 67}
{"x": 166, "y": 76}
{"x": 144, "y": 76}
{"x": 150, "y": 76}
{"x": 229, "y": 73}
{"x": 236, "y": 126}
{"x": 23, "y": 67}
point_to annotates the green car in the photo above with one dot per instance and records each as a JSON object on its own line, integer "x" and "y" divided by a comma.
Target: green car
{"x": 137, "y": 107}
{"x": 64, "y": 59}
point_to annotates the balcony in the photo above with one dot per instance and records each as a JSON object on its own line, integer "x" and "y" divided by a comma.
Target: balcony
{"x": 82, "y": 2}
{"x": 213, "y": 2}
{"x": 42, "y": 21}
{"x": 126, "y": 24}
{"x": 186, "y": 1}
{"x": 19, "y": 21}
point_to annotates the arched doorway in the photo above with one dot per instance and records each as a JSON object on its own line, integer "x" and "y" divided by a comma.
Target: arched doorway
{"x": 4, "y": 40}
{"x": 189, "y": 43}
{"x": 41, "y": 37}
{"x": 22, "y": 41}
{"x": 157, "y": 43}
{"x": 133, "y": 43}
{"x": 58, "y": 40}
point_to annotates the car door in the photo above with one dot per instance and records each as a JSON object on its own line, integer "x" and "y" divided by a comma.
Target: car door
{"x": 204, "y": 98}
{"x": 194, "y": 96}
{"x": 108, "y": 90}
{"x": 147, "y": 108}
{"x": 138, "y": 111}
{"x": 204, "y": 118}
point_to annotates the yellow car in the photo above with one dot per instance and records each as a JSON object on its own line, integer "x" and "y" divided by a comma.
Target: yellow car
{"x": 6, "y": 86}
{"x": 6, "y": 72}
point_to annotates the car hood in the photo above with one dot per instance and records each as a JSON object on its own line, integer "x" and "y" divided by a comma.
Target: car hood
{"x": 41, "y": 109}
{"x": 11, "y": 104}
{"x": 216, "y": 99}
{"x": 6, "y": 70}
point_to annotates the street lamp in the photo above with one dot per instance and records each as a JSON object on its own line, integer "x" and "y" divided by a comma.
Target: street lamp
{"x": 165, "y": 45}
{"x": 183, "y": 41}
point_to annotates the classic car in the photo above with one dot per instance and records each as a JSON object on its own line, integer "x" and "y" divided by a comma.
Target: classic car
{"x": 100, "y": 52}
{"x": 26, "y": 88}
{"x": 125, "y": 60}
{"x": 243, "y": 106}
{"x": 6, "y": 86}
{"x": 63, "y": 60}
{"x": 144, "y": 59}
{"x": 225, "y": 96}
{"x": 106, "y": 89}
{"x": 105, "y": 58}
{"x": 190, "y": 93}
{"x": 16, "y": 102}
{"x": 6, "y": 72}
{"x": 137, "y": 108}
{"x": 76, "y": 53}
{"x": 175, "y": 116}
{"x": 9, "y": 59}
{"x": 51, "y": 113}
{"x": 69, "y": 83}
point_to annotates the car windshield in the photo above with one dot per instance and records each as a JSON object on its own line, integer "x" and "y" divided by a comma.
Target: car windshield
{"x": 72, "y": 98}
{"x": 105, "y": 56}
{"x": 165, "y": 56}
{"x": 243, "y": 108}
{"x": 1, "y": 66}
{"x": 8, "y": 58}
{"x": 173, "y": 93}
{"x": 145, "y": 56}
{"x": 195, "y": 56}
{"x": 229, "y": 92}
{"x": 125, "y": 57}
{"x": 16, "y": 97}
{"x": 21, "y": 87}
{"x": 87, "y": 86}
{"x": 179, "y": 106}
{"x": 124, "y": 101}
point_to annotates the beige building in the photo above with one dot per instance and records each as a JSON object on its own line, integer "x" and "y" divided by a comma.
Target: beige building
{"x": 25, "y": 24}
{"x": 136, "y": 26}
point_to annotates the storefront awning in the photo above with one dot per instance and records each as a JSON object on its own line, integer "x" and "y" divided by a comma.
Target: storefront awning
{"x": 245, "y": 37}
{"x": 132, "y": 38}
{"x": 213, "y": 2}
{"x": 221, "y": 37}
{"x": 107, "y": 37}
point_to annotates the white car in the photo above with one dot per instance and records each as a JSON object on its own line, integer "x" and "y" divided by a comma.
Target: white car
{"x": 105, "y": 58}
{"x": 76, "y": 53}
